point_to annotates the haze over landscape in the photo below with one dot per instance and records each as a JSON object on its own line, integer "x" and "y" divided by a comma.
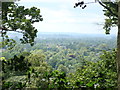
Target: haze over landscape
{"x": 60, "y": 16}
{"x": 65, "y": 48}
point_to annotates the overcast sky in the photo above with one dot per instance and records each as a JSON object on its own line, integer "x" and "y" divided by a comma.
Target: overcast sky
{"x": 60, "y": 16}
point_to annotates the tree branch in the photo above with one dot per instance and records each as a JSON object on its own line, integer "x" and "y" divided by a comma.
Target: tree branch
{"x": 107, "y": 8}
{"x": 6, "y": 29}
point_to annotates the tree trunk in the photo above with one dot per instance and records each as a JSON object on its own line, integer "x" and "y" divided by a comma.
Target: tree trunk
{"x": 118, "y": 47}
{"x": 0, "y": 48}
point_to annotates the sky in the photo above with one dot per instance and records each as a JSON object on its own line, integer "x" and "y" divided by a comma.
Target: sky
{"x": 60, "y": 16}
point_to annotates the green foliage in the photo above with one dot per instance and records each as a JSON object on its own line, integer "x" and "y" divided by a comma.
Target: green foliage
{"x": 102, "y": 73}
{"x": 13, "y": 85}
{"x": 79, "y": 59}
{"x": 60, "y": 51}
{"x": 110, "y": 11}
{"x": 19, "y": 19}
{"x": 83, "y": 61}
{"x": 62, "y": 68}
{"x": 13, "y": 72}
{"x": 36, "y": 58}
{"x": 16, "y": 64}
{"x": 56, "y": 79}
{"x": 37, "y": 69}
{"x": 112, "y": 19}
{"x": 59, "y": 80}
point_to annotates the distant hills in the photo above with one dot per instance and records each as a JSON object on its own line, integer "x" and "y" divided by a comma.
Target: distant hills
{"x": 61, "y": 35}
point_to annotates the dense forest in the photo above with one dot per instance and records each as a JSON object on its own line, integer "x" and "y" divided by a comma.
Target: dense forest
{"x": 58, "y": 61}
{"x": 61, "y": 60}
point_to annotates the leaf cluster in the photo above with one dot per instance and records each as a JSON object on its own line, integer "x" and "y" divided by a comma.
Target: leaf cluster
{"x": 111, "y": 18}
{"x": 20, "y": 19}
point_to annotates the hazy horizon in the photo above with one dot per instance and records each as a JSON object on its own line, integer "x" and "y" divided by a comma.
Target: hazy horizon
{"x": 60, "y": 16}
